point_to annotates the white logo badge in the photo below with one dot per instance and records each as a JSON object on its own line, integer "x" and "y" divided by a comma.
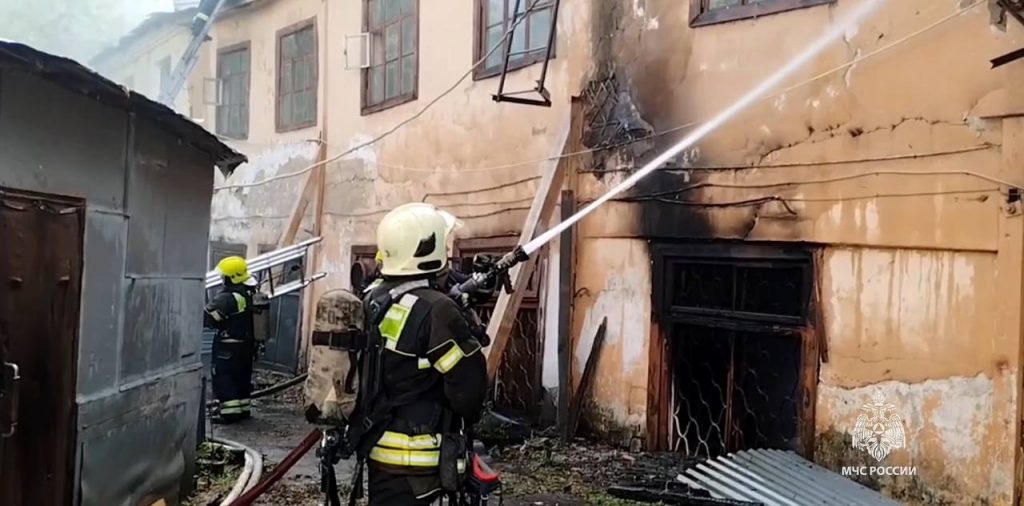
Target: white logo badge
{"x": 879, "y": 429}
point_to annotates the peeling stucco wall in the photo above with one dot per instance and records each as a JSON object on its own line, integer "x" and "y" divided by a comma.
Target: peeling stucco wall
{"x": 257, "y": 215}
{"x": 618, "y": 287}
{"x": 917, "y": 326}
{"x": 893, "y": 164}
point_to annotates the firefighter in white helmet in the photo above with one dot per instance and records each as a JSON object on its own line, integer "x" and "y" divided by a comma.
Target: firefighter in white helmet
{"x": 430, "y": 381}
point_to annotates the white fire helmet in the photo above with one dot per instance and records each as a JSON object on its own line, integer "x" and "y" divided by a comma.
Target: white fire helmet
{"x": 415, "y": 239}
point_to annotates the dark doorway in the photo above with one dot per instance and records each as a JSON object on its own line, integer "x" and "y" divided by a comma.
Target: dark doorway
{"x": 735, "y": 321}
{"x": 40, "y": 280}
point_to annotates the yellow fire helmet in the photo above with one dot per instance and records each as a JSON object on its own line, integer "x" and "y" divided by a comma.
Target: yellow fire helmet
{"x": 236, "y": 270}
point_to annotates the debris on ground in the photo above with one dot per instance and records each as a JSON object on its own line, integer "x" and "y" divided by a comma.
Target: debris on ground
{"x": 536, "y": 470}
{"x": 548, "y": 472}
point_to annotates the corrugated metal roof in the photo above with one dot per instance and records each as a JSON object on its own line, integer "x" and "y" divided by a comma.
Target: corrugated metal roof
{"x": 80, "y": 79}
{"x": 778, "y": 478}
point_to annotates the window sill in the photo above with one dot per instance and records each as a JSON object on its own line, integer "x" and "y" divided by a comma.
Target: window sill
{"x": 388, "y": 104}
{"x": 291, "y": 128}
{"x": 233, "y": 136}
{"x": 742, "y": 12}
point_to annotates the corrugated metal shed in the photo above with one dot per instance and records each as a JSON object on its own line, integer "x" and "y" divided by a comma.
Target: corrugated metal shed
{"x": 778, "y": 478}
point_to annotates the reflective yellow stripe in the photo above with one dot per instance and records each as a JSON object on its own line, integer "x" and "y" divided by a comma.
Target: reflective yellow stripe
{"x": 215, "y": 315}
{"x": 232, "y": 411}
{"x": 394, "y": 322}
{"x": 423, "y": 363}
{"x": 448, "y": 360}
{"x": 239, "y": 402}
{"x": 240, "y": 301}
{"x": 399, "y": 441}
{"x": 405, "y": 458}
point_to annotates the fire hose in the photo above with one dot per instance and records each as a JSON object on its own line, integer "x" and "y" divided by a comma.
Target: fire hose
{"x": 287, "y": 463}
{"x": 271, "y": 389}
{"x": 251, "y": 472}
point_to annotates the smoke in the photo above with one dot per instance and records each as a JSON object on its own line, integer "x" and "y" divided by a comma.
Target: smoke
{"x": 77, "y": 29}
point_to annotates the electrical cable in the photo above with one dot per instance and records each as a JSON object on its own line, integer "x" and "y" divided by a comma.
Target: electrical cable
{"x": 756, "y": 201}
{"x": 781, "y": 165}
{"x": 519, "y": 19}
{"x": 709, "y": 168}
{"x": 828, "y": 180}
{"x": 367, "y": 214}
{"x": 818, "y": 77}
{"x": 886, "y": 158}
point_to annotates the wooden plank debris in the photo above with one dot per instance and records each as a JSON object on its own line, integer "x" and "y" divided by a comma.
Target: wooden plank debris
{"x": 588, "y": 374}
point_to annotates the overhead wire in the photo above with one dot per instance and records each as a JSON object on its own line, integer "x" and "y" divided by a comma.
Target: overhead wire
{"x": 806, "y": 82}
{"x": 714, "y": 168}
{"x": 684, "y": 126}
{"x": 757, "y": 201}
{"x": 836, "y": 179}
{"x": 519, "y": 19}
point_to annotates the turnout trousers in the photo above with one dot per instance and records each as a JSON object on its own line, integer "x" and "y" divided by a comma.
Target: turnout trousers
{"x": 232, "y": 378}
{"x": 389, "y": 489}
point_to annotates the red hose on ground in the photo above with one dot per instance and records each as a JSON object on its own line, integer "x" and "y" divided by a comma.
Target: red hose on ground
{"x": 249, "y": 497}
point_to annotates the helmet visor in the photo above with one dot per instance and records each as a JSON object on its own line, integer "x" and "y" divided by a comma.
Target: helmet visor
{"x": 451, "y": 222}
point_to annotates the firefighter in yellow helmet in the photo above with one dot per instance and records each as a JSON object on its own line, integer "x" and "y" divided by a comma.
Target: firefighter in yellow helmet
{"x": 234, "y": 346}
{"x": 423, "y": 376}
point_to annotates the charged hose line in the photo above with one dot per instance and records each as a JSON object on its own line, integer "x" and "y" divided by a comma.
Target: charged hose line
{"x": 273, "y": 389}
{"x": 251, "y": 472}
{"x": 260, "y": 488}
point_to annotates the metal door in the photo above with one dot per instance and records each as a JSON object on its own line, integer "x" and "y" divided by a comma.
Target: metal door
{"x": 281, "y": 323}
{"x": 40, "y": 280}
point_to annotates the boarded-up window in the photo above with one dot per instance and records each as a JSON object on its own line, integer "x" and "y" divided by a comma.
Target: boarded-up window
{"x": 233, "y": 105}
{"x": 529, "y": 42}
{"x": 392, "y": 78}
{"x": 708, "y": 12}
{"x": 297, "y": 68}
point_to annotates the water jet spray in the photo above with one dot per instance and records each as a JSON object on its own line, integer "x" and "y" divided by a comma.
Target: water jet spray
{"x": 523, "y": 252}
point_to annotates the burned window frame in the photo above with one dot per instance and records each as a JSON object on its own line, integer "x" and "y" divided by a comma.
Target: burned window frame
{"x": 224, "y": 109}
{"x": 378, "y": 35}
{"x": 481, "y": 23}
{"x": 702, "y": 15}
{"x": 807, "y": 329}
{"x": 311, "y": 88}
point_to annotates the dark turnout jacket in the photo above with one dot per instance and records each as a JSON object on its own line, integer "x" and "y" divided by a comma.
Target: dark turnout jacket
{"x": 433, "y": 372}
